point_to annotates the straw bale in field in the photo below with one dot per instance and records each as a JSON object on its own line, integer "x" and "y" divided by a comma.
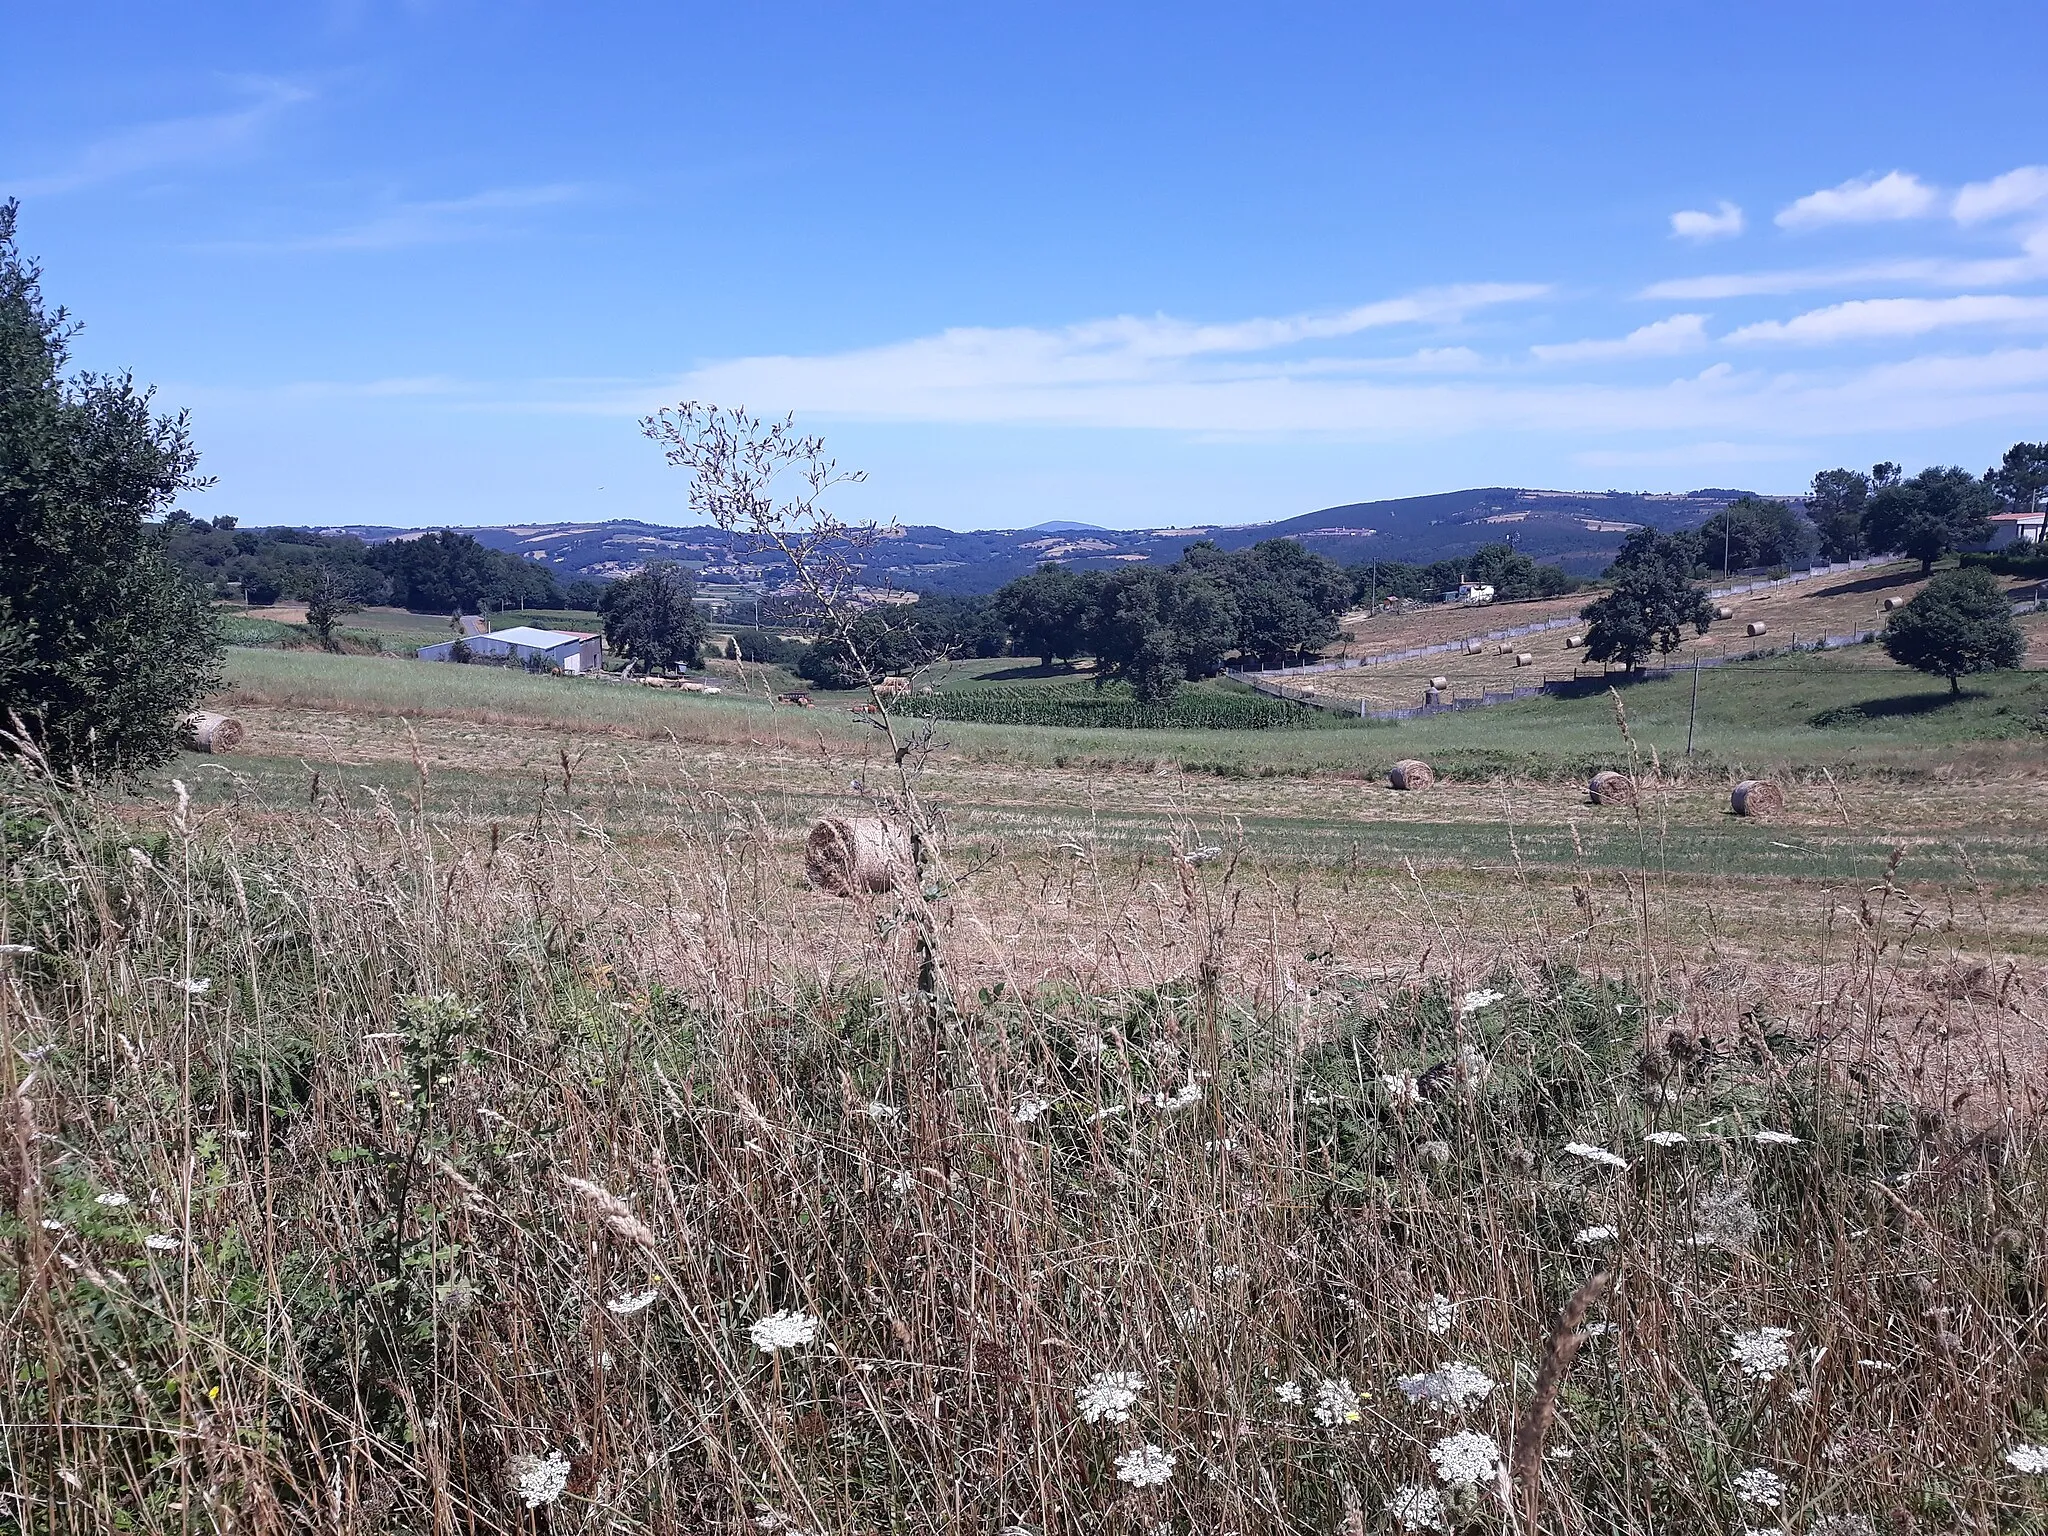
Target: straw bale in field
{"x": 846, "y": 855}
{"x": 1504, "y": 650}
{"x": 206, "y": 732}
{"x": 1573, "y": 642}
{"x": 1611, "y": 788}
{"x": 1524, "y": 659}
{"x": 1411, "y": 773}
{"x": 1759, "y": 629}
{"x": 1756, "y": 797}
{"x": 1724, "y": 612}
{"x": 1893, "y": 602}
{"x": 1439, "y": 682}
{"x": 1474, "y": 647}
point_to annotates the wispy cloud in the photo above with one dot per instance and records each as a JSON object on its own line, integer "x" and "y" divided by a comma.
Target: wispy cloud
{"x": 439, "y": 222}
{"x": 1892, "y": 319}
{"x": 170, "y": 144}
{"x": 1662, "y": 338}
{"x": 1862, "y": 200}
{"x": 1695, "y": 224}
{"x": 1920, "y": 271}
{"x": 2017, "y": 191}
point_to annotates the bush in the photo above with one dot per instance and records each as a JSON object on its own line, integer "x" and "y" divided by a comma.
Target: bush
{"x": 1119, "y": 709}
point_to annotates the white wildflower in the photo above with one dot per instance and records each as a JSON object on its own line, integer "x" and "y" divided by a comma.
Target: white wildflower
{"x": 1775, "y": 1139}
{"x": 1336, "y": 1402}
{"x": 1109, "y": 1395}
{"x": 1030, "y": 1107}
{"x": 1877, "y": 1365}
{"x": 1289, "y": 1392}
{"x": 1761, "y": 1353}
{"x": 1667, "y": 1138}
{"x": 1438, "y": 1316}
{"x": 193, "y": 986}
{"x": 902, "y": 1182}
{"x": 1466, "y": 1459}
{"x": 637, "y": 1301}
{"x": 1404, "y": 1089}
{"x": 1453, "y": 1384}
{"x": 1415, "y": 1508}
{"x": 1146, "y": 1467}
{"x": 1724, "y": 1218}
{"x": 111, "y": 1197}
{"x": 1223, "y": 1274}
{"x": 1187, "y": 1094}
{"x": 51, "y": 1226}
{"x": 1593, "y": 1154}
{"x": 1595, "y": 1235}
{"x": 882, "y": 1114}
{"x": 1472, "y": 1067}
{"x": 1760, "y": 1486}
{"x": 162, "y": 1242}
{"x": 2031, "y": 1459}
{"x": 784, "y": 1330}
{"x": 1841, "y": 1525}
{"x": 1472, "y": 1002}
{"x": 1106, "y": 1111}
{"x": 17, "y": 949}
{"x": 539, "y": 1480}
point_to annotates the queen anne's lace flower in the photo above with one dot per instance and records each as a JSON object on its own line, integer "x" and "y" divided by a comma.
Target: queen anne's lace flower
{"x": 162, "y": 1242}
{"x": 1667, "y": 1138}
{"x": 1760, "y": 1486}
{"x": 1030, "y": 1107}
{"x": 1593, "y": 1154}
{"x": 626, "y": 1306}
{"x": 1146, "y": 1467}
{"x": 784, "y": 1330}
{"x": 1453, "y": 1384}
{"x": 1466, "y": 1459}
{"x": 1761, "y": 1353}
{"x": 1336, "y": 1402}
{"x": 1415, "y": 1508}
{"x": 1438, "y": 1316}
{"x": 1595, "y": 1235}
{"x": 1289, "y": 1392}
{"x": 193, "y": 986}
{"x": 1775, "y": 1139}
{"x": 1109, "y": 1395}
{"x": 111, "y": 1197}
{"x": 538, "y": 1480}
{"x": 882, "y": 1114}
{"x": 1185, "y": 1096}
{"x": 1404, "y": 1089}
{"x": 1472, "y": 1002}
{"x": 2031, "y": 1459}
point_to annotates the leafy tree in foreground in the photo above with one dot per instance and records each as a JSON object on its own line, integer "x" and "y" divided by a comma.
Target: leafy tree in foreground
{"x": 1937, "y": 511}
{"x": 651, "y": 617}
{"x": 1652, "y": 602}
{"x": 104, "y": 645}
{"x": 1959, "y": 624}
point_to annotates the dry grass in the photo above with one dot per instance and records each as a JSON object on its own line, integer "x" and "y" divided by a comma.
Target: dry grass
{"x": 407, "y": 1106}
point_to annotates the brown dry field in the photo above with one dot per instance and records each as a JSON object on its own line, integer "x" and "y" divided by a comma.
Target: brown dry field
{"x": 1069, "y": 877}
{"x": 1844, "y": 605}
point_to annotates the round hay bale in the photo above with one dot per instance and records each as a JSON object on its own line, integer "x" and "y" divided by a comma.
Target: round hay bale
{"x": 1893, "y": 602}
{"x": 1504, "y": 650}
{"x": 1611, "y": 788}
{"x": 1411, "y": 773}
{"x": 846, "y": 855}
{"x": 1524, "y": 659}
{"x": 1439, "y": 682}
{"x": 1756, "y": 797}
{"x": 1573, "y": 642}
{"x": 207, "y": 732}
{"x": 1724, "y": 612}
{"x": 1474, "y": 647}
{"x": 1759, "y": 629}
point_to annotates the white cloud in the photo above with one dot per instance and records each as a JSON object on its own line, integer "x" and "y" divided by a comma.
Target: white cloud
{"x": 2017, "y": 191}
{"x": 1861, "y": 200}
{"x": 1661, "y": 338}
{"x": 477, "y": 216}
{"x": 1922, "y": 271}
{"x": 1891, "y": 319}
{"x": 165, "y": 145}
{"x": 1694, "y": 224}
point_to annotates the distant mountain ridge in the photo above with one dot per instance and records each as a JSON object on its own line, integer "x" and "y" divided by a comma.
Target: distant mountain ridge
{"x": 1577, "y": 529}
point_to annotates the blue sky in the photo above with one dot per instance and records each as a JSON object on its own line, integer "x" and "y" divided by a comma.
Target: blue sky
{"x": 1137, "y": 265}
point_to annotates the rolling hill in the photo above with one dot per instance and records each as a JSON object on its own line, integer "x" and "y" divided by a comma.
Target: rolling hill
{"x": 1578, "y": 529}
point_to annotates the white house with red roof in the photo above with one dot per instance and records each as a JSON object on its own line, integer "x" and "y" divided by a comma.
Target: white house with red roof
{"x": 2016, "y": 527}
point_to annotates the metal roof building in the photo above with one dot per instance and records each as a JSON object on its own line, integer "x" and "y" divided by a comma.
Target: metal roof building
{"x": 570, "y": 650}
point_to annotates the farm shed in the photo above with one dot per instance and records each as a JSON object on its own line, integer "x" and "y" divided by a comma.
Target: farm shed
{"x": 568, "y": 649}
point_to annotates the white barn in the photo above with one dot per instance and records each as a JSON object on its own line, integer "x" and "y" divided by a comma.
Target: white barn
{"x": 570, "y": 650}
